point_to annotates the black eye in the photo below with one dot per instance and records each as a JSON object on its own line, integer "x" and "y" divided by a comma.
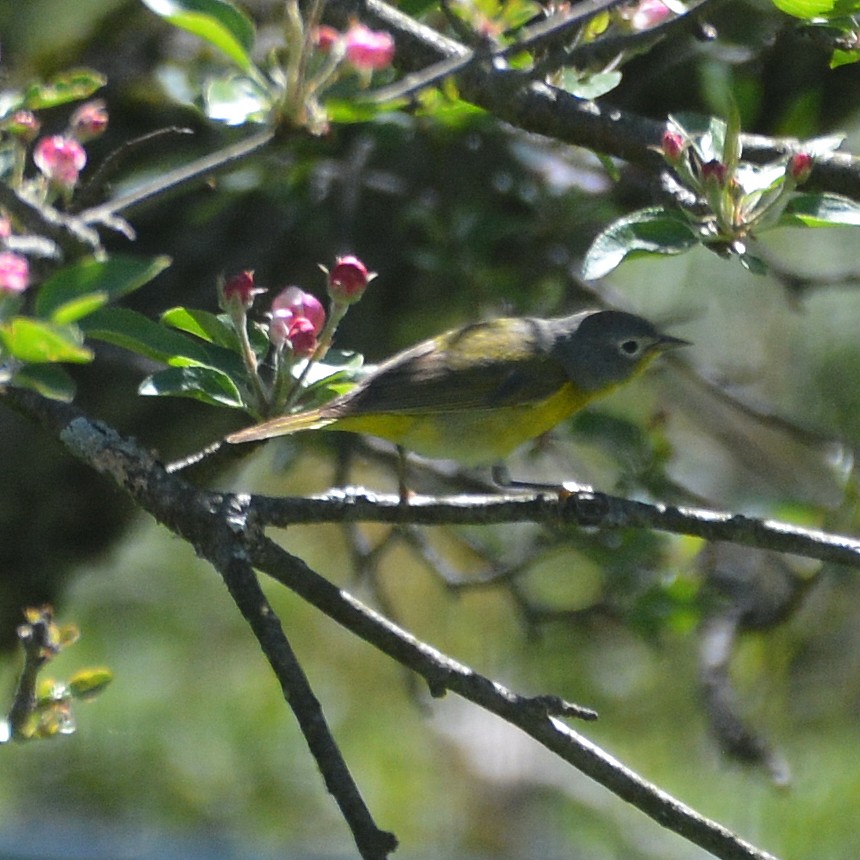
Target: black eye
{"x": 630, "y": 347}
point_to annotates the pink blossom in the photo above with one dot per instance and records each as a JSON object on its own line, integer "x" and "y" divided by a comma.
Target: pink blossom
{"x": 292, "y": 303}
{"x": 296, "y": 333}
{"x": 715, "y": 172}
{"x": 800, "y": 167}
{"x": 673, "y": 145}
{"x": 14, "y": 273}
{"x": 325, "y": 37}
{"x": 240, "y": 289}
{"x": 89, "y": 121}
{"x": 348, "y": 279}
{"x": 61, "y": 159}
{"x": 648, "y": 14}
{"x": 368, "y": 50}
{"x": 302, "y": 337}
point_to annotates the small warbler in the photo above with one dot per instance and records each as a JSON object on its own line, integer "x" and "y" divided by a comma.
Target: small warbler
{"x": 476, "y": 393}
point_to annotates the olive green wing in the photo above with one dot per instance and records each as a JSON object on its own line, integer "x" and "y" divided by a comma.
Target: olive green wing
{"x": 498, "y": 363}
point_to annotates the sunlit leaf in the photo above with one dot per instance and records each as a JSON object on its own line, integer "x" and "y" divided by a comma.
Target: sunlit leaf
{"x": 202, "y": 324}
{"x": 49, "y": 380}
{"x": 139, "y": 334}
{"x": 591, "y": 86}
{"x": 69, "y": 86}
{"x": 78, "y": 290}
{"x": 200, "y": 383}
{"x": 844, "y": 58}
{"x": 236, "y": 99}
{"x": 218, "y": 22}
{"x": 35, "y": 341}
{"x": 821, "y": 210}
{"x": 818, "y": 8}
{"x": 648, "y": 231}
{"x": 88, "y": 683}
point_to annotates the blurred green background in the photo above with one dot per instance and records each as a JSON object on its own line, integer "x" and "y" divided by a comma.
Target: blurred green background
{"x": 192, "y": 751}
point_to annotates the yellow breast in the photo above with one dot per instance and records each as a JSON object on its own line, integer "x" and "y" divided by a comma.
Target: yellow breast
{"x": 472, "y": 437}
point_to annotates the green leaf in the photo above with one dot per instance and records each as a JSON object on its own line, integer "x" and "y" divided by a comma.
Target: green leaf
{"x": 341, "y": 363}
{"x": 818, "y": 8}
{"x": 200, "y": 383}
{"x": 69, "y": 86}
{"x": 49, "y": 380}
{"x": 137, "y": 333}
{"x": 217, "y": 22}
{"x": 707, "y": 133}
{"x": 589, "y": 86}
{"x": 821, "y": 210}
{"x": 88, "y": 683}
{"x": 236, "y": 99}
{"x": 844, "y": 58}
{"x": 202, "y": 324}
{"x": 648, "y": 231}
{"x": 34, "y": 341}
{"x": 78, "y": 290}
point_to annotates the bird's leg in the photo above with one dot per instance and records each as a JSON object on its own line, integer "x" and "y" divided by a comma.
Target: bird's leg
{"x": 502, "y": 479}
{"x": 402, "y": 468}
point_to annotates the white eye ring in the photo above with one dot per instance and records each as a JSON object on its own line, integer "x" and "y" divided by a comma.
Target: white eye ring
{"x": 630, "y": 347}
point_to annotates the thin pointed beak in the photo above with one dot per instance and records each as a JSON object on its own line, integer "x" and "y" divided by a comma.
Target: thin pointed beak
{"x": 668, "y": 342}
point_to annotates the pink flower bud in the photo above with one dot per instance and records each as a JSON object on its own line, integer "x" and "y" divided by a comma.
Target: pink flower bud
{"x": 800, "y": 167}
{"x": 348, "y": 280}
{"x": 298, "y": 334}
{"x": 302, "y": 337}
{"x": 14, "y": 273}
{"x": 60, "y": 159}
{"x": 368, "y": 50}
{"x": 23, "y": 125}
{"x": 89, "y": 121}
{"x": 648, "y": 14}
{"x": 325, "y": 37}
{"x": 240, "y": 290}
{"x": 293, "y": 303}
{"x": 5, "y": 227}
{"x": 714, "y": 172}
{"x": 673, "y": 145}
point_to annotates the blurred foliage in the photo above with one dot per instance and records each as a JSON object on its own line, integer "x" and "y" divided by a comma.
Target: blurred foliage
{"x": 462, "y": 218}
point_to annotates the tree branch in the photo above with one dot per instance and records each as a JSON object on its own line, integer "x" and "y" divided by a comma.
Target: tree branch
{"x": 580, "y": 508}
{"x": 226, "y": 529}
{"x": 543, "y": 109}
{"x": 215, "y": 526}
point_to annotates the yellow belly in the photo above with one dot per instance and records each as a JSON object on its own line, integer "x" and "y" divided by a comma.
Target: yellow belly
{"x": 472, "y": 437}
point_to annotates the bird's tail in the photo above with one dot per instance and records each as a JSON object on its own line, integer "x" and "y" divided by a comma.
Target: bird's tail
{"x": 313, "y": 419}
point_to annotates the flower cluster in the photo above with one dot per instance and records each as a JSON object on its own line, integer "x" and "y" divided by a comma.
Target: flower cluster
{"x": 59, "y": 158}
{"x": 62, "y": 157}
{"x": 742, "y": 197}
{"x": 298, "y": 328}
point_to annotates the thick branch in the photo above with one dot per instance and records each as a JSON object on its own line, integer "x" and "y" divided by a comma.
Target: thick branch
{"x": 583, "y": 508}
{"x": 546, "y": 110}
{"x": 536, "y": 717}
{"x": 214, "y": 526}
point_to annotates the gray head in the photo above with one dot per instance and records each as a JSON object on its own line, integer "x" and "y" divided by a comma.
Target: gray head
{"x": 600, "y": 349}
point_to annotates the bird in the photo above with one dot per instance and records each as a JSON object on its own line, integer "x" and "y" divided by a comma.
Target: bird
{"x": 476, "y": 393}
